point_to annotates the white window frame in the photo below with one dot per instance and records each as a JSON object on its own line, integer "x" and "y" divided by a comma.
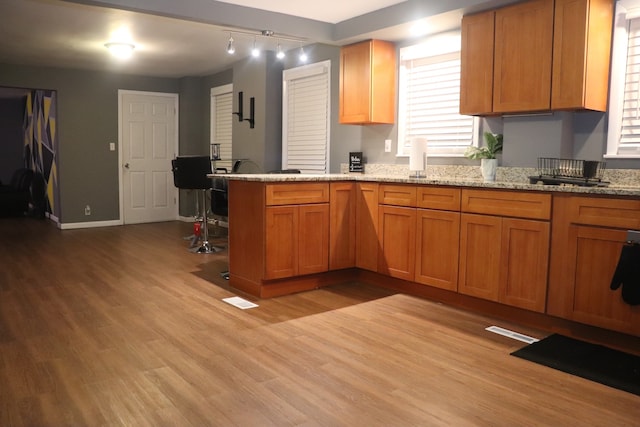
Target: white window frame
{"x": 323, "y": 67}
{"x": 624, "y": 12}
{"x": 444, "y": 44}
{"x": 215, "y": 92}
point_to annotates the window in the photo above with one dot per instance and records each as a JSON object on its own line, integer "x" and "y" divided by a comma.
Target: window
{"x": 221, "y": 123}
{"x": 306, "y": 117}
{"x": 429, "y": 98}
{"x": 623, "y": 139}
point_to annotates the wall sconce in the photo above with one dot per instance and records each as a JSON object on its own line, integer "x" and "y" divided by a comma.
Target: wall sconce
{"x": 239, "y": 112}
{"x": 252, "y": 106}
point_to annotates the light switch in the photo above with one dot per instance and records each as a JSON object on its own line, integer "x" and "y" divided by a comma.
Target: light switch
{"x": 112, "y": 146}
{"x": 387, "y": 145}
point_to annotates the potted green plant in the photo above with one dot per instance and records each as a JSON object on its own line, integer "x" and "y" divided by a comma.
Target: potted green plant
{"x": 487, "y": 155}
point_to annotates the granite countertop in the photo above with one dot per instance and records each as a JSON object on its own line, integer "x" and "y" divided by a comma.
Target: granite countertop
{"x": 612, "y": 190}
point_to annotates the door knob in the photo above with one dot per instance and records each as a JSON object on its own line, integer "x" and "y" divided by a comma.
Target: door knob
{"x": 126, "y": 165}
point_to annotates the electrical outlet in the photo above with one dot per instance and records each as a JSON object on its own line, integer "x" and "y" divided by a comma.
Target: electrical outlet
{"x": 87, "y": 210}
{"x": 112, "y": 146}
{"x": 387, "y": 145}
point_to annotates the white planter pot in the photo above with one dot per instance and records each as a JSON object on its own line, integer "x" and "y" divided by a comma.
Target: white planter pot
{"x": 488, "y": 167}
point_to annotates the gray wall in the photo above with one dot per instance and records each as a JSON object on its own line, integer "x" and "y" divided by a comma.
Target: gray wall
{"x": 87, "y": 122}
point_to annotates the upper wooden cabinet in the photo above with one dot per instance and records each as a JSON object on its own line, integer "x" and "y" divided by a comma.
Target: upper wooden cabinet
{"x": 581, "y": 49}
{"x": 522, "y": 58}
{"x": 476, "y": 76}
{"x": 368, "y": 82}
{"x": 544, "y": 55}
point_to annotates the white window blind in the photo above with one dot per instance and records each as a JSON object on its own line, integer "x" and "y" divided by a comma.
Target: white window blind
{"x": 629, "y": 142}
{"x": 430, "y": 101}
{"x": 306, "y": 118}
{"x": 623, "y": 135}
{"x": 221, "y": 124}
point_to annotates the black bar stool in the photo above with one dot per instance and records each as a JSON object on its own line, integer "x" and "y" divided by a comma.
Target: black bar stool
{"x": 190, "y": 173}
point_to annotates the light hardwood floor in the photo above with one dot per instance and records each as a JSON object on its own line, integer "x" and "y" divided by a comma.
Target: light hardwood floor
{"x": 123, "y": 326}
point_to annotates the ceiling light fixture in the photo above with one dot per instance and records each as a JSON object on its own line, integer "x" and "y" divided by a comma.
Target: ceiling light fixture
{"x": 255, "y": 49}
{"x": 231, "y": 49}
{"x": 120, "y": 49}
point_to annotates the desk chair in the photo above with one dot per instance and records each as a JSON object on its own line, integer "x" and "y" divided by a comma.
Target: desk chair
{"x": 190, "y": 173}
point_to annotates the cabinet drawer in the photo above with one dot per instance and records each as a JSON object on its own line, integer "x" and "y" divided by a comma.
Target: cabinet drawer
{"x": 520, "y": 204}
{"x": 617, "y": 213}
{"x": 398, "y": 195}
{"x": 441, "y": 198}
{"x": 297, "y": 193}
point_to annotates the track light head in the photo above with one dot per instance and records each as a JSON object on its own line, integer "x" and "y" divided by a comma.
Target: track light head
{"x": 303, "y": 56}
{"x": 279, "y": 52}
{"x": 231, "y": 49}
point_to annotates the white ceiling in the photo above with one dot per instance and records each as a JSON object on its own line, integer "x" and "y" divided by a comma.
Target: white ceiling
{"x": 72, "y": 33}
{"x": 332, "y": 11}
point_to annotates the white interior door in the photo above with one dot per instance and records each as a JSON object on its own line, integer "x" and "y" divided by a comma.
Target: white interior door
{"x": 148, "y": 143}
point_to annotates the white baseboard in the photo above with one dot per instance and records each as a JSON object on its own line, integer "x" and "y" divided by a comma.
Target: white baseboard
{"x": 93, "y": 224}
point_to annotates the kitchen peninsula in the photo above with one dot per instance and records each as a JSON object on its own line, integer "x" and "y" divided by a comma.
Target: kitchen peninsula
{"x": 528, "y": 252}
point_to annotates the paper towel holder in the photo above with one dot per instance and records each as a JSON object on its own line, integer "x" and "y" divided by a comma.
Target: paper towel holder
{"x": 418, "y": 157}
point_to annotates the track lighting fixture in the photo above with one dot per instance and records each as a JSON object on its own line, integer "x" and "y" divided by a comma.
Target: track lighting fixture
{"x": 255, "y": 50}
{"x": 231, "y": 49}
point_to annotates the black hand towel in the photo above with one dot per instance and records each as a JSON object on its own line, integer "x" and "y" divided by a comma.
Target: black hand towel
{"x": 627, "y": 274}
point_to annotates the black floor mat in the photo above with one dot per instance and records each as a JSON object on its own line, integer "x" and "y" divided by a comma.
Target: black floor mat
{"x": 594, "y": 362}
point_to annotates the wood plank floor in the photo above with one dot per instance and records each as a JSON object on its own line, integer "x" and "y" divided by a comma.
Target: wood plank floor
{"x": 123, "y": 326}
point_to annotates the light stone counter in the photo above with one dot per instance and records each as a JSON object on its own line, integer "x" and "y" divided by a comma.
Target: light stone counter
{"x": 623, "y": 183}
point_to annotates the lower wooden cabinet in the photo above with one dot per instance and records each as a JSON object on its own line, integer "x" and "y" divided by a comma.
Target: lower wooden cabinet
{"x": 342, "y": 227}
{"x": 504, "y": 260}
{"x": 367, "y": 245}
{"x": 437, "y": 241}
{"x": 297, "y": 240}
{"x": 588, "y": 236}
{"x": 397, "y": 235}
{"x": 594, "y": 253}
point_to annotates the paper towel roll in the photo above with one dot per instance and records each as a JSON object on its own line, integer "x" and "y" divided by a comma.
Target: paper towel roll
{"x": 418, "y": 154}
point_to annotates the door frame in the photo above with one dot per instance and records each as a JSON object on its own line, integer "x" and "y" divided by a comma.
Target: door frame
{"x": 121, "y": 93}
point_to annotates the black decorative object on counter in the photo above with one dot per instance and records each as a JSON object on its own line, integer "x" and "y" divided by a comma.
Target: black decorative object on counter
{"x": 356, "y": 163}
{"x": 583, "y": 173}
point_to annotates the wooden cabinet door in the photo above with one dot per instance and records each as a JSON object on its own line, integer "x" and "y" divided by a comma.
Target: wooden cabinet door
{"x": 437, "y": 248}
{"x": 367, "y": 82}
{"x": 476, "y": 61}
{"x": 480, "y": 250}
{"x": 581, "y": 51}
{"x": 525, "y": 257}
{"x": 342, "y": 225}
{"x": 281, "y": 242}
{"x": 594, "y": 254}
{"x": 397, "y": 227}
{"x": 313, "y": 238}
{"x": 523, "y": 53}
{"x": 367, "y": 245}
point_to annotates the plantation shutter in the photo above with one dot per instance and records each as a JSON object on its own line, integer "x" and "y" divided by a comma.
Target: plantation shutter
{"x": 430, "y": 103}
{"x": 630, "y": 132}
{"x": 306, "y": 118}
{"x": 221, "y": 125}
